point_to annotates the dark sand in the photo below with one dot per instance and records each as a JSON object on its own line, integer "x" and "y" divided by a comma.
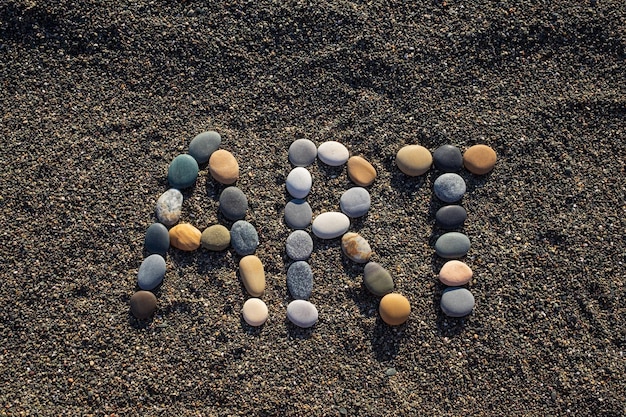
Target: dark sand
{"x": 99, "y": 96}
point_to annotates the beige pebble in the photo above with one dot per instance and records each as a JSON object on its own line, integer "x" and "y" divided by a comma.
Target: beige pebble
{"x": 254, "y": 312}
{"x": 356, "y": 247}
{"x": 479, "y": 159}
{"x": 455, "y": 273}
{"x": 185, "y": 236}
{"x": 252, "y": 275}
{"x": 215, "y": 238}
{"x": 360, "y": 171}
{"x": 394, "y": 309}
{"x": 224, "y": 167}
{"x": 414, "y": 160}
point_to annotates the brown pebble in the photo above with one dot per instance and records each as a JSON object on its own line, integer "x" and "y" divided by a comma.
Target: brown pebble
{"x": 224, "y": 167}
{"x": 414, "y": 160}
{"x": 143, "y": 304}
{"x": 360, "y": 171}
{"x": 252, "y": 275}
{"x": 455, "y": 273}
{"x": 479, "y": 159}
{"x": 185, "y": 237}
{"x": 394, "y": 309}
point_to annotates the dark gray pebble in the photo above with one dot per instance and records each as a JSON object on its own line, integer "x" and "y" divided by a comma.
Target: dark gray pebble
{"x": 151, "y": 272}
{"x": 448, "y": 158}
{"x": 449, "y": 187}
{"x": 244, "y": 238}
{"x": 451, "y": 217}
{"x": 157, "y": 239}
{"x": 203, "y": 145}
{"x": 452, "y": 245}
{"x": 233, "y": 203}
{"x": 298, "y": 214}
{"x": 300, "y": 280}
{"x": 299, "y": 245}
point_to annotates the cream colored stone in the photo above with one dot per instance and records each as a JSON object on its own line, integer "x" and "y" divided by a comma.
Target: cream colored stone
{"x": 224, "y": 167}
{"x": 254, "y": 312}
{"x": 414, "y": 160}
{"x": 455, "y": 273}
{"x": 356, "y": 247}
{"x": 252, "y": 275}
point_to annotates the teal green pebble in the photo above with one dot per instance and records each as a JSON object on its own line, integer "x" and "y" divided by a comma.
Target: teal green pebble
{"x": 182, "y": 172}
{"x": 452, "y": 245}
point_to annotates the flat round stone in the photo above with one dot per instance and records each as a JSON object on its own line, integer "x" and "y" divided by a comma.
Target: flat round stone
{"x": 185, "y": 237}
{"x": 252, "y": 275}
{"x": 224, "y": 167}
{"x": 355, "y": 202}
{"x": 233, "y": 203}
{"x": 394, "y": 309}
{"x": 298, "y": 214}
{"x": 215, "y": 238}
{"x": 360, "y": 171}
{"x": 169, "y": 207}
{"x": 377, "y": 279}
{"x": 300, "y": 280}
{"x": 414, "y": 160}
{"x": 356, "y": 248}
{"x": 448, "y": 158}
{"x": 299, "y": 182}
{"x": 244, "y": 238}
{"x": 254, "y": 312}
{"x": 449, "y": 187}
{"x": 457, "y": 302}
{"x": 151, "y": 272}
{"x": 451, "y": 217}
{"x": 333, "y": 153}
{"x": 302, "y": 313}
{"x": 452, "y": 245}
{"x": 157, "y": 239}
{"x": 302, "y": 152}
{"x": 299, "y": 245}
{"x": 182, "y": 172}
{"x": 330, "y": 225}
{"x": 143, "y": 304}
{"x": 455, "y": 273}
{"x": 479, "y": 159}
{"x": 203, "y": 145}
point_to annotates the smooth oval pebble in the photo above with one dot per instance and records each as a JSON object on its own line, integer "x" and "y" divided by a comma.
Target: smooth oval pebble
{"x": 151, "y": 272}
{"x": 356, "y": 248}
{"x": 143, "y": 304}
{"x": 252, "y": 275}
{"x": 455, "y": 273}
{"x": 448, "y": 158}
{"x": 299, "y": 182}
{"x": 355, "y": 202}
{"x": 479, "y": 159}
{"x": 300, "y": 280}
{"x": 330, "y": 225}
{"x": 233, "y": 203}
{"x": 394, "y": 309}
{"x": 203, "y": 145}
{"x": 449, "y": 187}
{"x": 185, "y": 237}
{"x": 302, "y": 313}
{"x": 254, "y": 312}
{"x": 333, "y": 153}
{"x": 451, "y": 217}
{"x": 377, "y": 279}
{"x": 299, "y": 245}
{"x": 157, "y": 239}
{"x": 302, "y": 152}
{"x": 215, "y": 238}
{"x": 414, "y": 160}
{"x": 182, "y": 172}
{"x": 360, "y": 171}
{"x": 298, "y": 214}
{"x": 169, "y": 207}
{"x": 457, "y": 302}
{"x": 452, "y": 245}
{"x": 224, "y": 167}
{"x": 244, "y": 237}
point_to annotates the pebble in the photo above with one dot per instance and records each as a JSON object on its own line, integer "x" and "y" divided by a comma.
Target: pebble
{"x": 300, "y": 280}
{"x": 182, "y": 172}
{"x": 224, "y": 167}
{"x": 330, "y": 225}
{"x": 394, "y": 309}
{"x": 457, "y": 302}
{"x": 356, "y": 248}
{"x": 414, "y": 160}
{"x": 252, "y": 275}
{"x": 452, "y": 245}
{"x": 203, "y": 145}
{"x": 143, "y": 304}
{"x": 449, "y": 187}
{"x": 299, "y": 182}
{"x": 298, "y": 214}
{"x": 185, "y": 237}
{"x": 169, "y": 207}
{"x": 479, "y": 159}
{"x": 448, "y": 158}
{"x": 360, "y": 171}
{"x": 377, "y": 279}
{"x": 302, "y": 152}
{"x": 455, "y": 273}
{"x": 244, "y": 237}
{"x": 157, "y": 239}
{"x": 451, "y": 217}
{"x": 355, "y": 202}
{"x": 299, "y": 245}
{"x": 233, "y": 203}
{"x": 151, "y": 272}
{"x": 215, "y": 238}
{"x": 254, "y": 312}
{"x": 333, "y": 153}
{"x": 302, "y": 313}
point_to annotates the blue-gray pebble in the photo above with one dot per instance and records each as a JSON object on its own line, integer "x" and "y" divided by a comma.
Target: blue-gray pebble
{"x": 157, "y": 239}
{"x": 452, "y": 245}
{"x": 302, "y": 152}
{"x": 298, "y": 214}
{"x": 203, "y": 145}
{"x": 151, "y": 272}
{"x": 299, "y": 245}
{"x": 449, "y": 187}
{"x": 457, "y": 302}
{"x": 448, "y": 158}
{"x": 300, "y": 280}
{"x": 233, "y": 203}
{"x": 451, "y": 217}
{"x": 244, "y": 238}
{"x": 182, "y": 172}
{"x": 355, "y": 202}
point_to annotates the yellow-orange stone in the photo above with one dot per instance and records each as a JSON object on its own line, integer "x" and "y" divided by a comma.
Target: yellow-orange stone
{"x": 224, "y": 167}
{"x": 414, "y": 160}
{"x": 252, "y": 275}
{"x": 360, "y": 171}
{"x": 479, "y": 159}
{"x": 455, "y": 273}
{"x": 394, "y": 309}
{"x": 185, "y": 237}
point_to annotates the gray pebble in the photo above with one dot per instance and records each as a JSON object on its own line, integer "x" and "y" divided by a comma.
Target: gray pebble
{"x": 451, "y": 217}
{"x": 452, "y": 245}
{"x": 448, "y": 158}
{"x": 299, "y": 182}
{"x": 151, "y": 272}
{"x": 302, "y": 313}
{"x": 457, "y": 302}
{"x": 302, "y": 152}
{"x": 169, "y": 207}
{"x": 449, "y": 187}
{"x": 244, "y": 238}
{"x": 300, "y": 280}
{"x": 298, "y": 214}
{"x": 203, "y": 145}
{"x": 355, "y": 202}
{"x": 157, "y": 239}
{"x": 299, "y": 245}
{"x": 233, "y": 203}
